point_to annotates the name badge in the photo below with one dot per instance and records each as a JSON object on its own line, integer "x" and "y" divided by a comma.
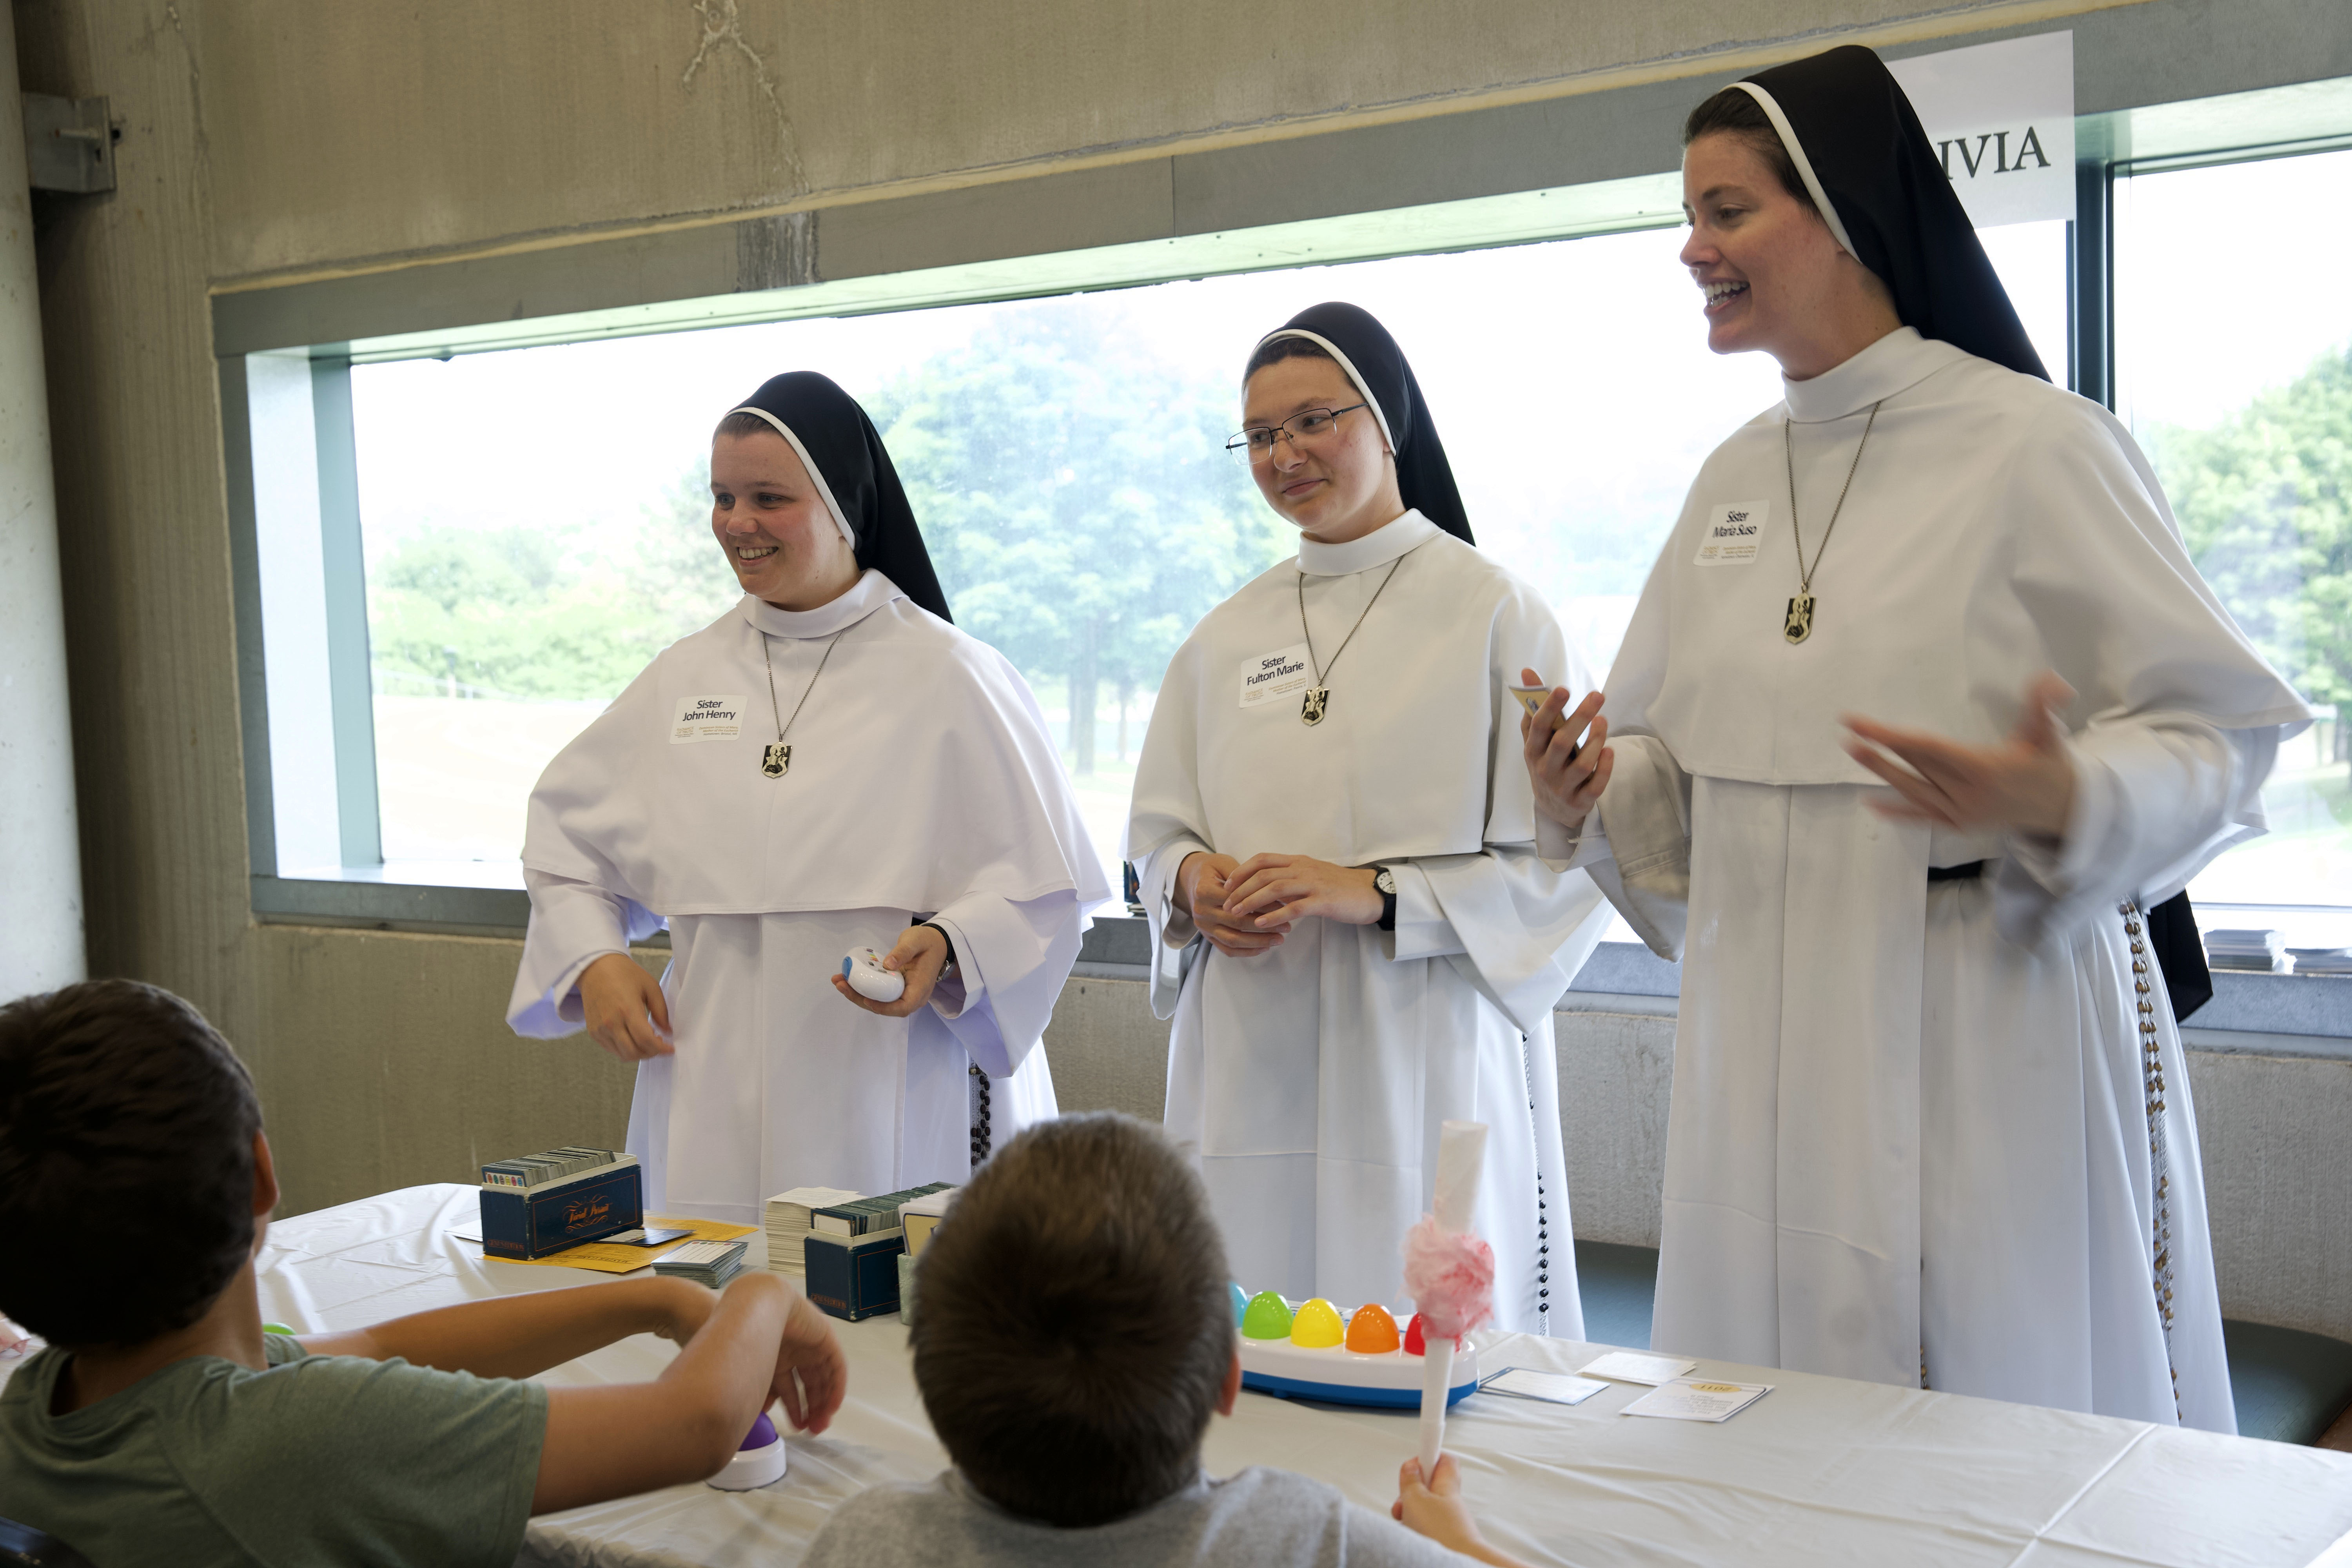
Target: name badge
{"x": 1734, "y": 531}
{"x": 706, "y": 718}
{"x": 1273, "y": 676}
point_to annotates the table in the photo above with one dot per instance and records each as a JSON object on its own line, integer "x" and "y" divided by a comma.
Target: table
{"x": 1822, "y": 1471}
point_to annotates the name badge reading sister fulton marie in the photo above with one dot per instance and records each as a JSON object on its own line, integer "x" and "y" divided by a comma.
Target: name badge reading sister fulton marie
{"x": 1270, "y": 677}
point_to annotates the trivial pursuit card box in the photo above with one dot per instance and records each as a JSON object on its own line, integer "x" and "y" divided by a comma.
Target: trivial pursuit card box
{"x": 532, "y": 1222}
{"x": 855, "y": 1277}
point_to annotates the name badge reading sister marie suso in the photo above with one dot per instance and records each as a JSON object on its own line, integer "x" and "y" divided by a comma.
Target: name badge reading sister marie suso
{"x": 1272, "y": 676}
{"x": 706, "y": 718}
{"x": 1732, "y": 533}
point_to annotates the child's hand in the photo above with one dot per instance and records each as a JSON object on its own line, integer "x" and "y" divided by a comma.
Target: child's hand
{"x": 811, "y": 1374}
{"x": 1437, "y": 1511}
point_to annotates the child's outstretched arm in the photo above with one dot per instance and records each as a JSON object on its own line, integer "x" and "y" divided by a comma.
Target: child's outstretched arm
{"x": 1437, "y": 1511}
{"x": 521, "y": 1336}
{"x": 758, "y": 1341}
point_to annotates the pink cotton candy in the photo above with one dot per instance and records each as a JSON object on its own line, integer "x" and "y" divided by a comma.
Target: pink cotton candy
{"x": 1451, "y": 1276}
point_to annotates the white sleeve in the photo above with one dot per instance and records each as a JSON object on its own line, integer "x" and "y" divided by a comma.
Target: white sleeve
{"x": 2157, "y": 796}
{"x": 1172, "y": 932}
{"x": 1512, "y": 925}
{"x": 572, "y": 924}
{"x": 1643, "y": 866}
{"x": 1012, "y": 959}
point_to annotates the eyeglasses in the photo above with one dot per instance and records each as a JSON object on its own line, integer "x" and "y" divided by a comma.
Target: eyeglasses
{"x": 1257, "y": 443}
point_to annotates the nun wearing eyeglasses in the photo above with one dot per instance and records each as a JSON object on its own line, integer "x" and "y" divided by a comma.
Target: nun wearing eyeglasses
{"x": 1923, "y": 711}
{"x": 1335, "y": 843}
{"x": 830, "y": 765}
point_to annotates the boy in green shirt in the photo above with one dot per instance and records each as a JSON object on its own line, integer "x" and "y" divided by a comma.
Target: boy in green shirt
{"x": 161, "y": 1424}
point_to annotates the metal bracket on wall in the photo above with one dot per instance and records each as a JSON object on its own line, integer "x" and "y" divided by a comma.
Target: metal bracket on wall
{"x": 68, "y": 144}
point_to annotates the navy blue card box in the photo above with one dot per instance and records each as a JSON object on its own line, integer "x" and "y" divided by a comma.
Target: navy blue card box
{"x": 854, "y": 1276}
{"x": 531, "y": 1222}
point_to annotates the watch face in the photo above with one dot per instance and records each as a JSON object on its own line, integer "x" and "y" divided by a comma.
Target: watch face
{"x": 1384, "y": 880}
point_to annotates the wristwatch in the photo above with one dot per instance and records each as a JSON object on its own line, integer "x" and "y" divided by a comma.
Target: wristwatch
{"x": 1385, "y": 880}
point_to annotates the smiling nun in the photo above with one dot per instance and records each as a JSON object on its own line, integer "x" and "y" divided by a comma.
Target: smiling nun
{"x": 829, "y": 766}
{"x": 1335, "y": 841}
{"x": 1922, "y": 709}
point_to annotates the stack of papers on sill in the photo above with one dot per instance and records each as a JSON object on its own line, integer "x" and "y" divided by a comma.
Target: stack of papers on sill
{"x": 2321, "y": 960}
{"x": 2257, "y": 951}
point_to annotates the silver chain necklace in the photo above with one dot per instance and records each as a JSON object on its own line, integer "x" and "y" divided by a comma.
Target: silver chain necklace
{"x": 1318, "y": 696}
{"x": 776, "y": 760}
{"x": 1799, "y": 625}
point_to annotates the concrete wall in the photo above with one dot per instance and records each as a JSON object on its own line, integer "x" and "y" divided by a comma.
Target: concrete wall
{"x": 270, "y": 139}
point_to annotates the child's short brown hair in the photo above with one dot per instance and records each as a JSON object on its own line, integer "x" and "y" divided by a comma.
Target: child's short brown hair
{"x": 126, "y": 1150}
{"x": 1074, "y": 1327}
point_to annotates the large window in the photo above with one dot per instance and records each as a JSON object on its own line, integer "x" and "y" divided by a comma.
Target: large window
{"x": 2234, "y": 371}
{"x": 536, "y": 523}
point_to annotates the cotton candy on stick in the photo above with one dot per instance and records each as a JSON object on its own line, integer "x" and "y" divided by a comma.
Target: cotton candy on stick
{"x": 1450, "y": 1274}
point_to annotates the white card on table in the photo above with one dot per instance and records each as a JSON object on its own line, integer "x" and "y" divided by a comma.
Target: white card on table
{"x": 1690, "y": 1399}
{"x": 1633, "y": 1366}
{"x": 1556, "y": 1387}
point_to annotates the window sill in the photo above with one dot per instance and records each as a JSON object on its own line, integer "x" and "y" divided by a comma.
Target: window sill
{"x": 2289, "y": 1007}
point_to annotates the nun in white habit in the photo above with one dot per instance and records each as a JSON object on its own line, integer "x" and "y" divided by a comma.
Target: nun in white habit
{"x": 1335, "y": 842}
{"x": 1931, "y": 1121}
{"x": 830, "y": 765}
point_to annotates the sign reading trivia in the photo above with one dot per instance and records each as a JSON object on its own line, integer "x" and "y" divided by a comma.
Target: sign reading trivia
{"x": 2002, "y": 117}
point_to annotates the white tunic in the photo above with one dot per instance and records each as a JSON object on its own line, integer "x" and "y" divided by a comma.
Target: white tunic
{"x": 1915, "y": 1122}
{"x": 1312, "y": 1079}
{"x": 921, "y": 784}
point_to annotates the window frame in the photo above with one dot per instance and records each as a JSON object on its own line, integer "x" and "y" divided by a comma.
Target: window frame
{"x": 2148, "y": 87}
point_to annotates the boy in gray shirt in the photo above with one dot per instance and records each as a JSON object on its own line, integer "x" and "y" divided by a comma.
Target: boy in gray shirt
{"x": 163, "y": 1426}
{"x": 1076, "y": 1333}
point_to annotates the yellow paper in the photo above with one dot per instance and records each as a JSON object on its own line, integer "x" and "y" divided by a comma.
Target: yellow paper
{"x": 618, "y": 1257}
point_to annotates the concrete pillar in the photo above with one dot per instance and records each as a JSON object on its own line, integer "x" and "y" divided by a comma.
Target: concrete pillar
{"x": 40, "y": 854}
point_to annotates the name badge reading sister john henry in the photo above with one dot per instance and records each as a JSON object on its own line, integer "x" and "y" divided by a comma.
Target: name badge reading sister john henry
{"x": 706, "y": 718}
{"x": 1272, "y": 676}
{"x": 1734, "y": 531}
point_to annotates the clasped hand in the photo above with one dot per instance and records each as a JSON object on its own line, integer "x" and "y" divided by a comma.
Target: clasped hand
{"x": 1245, "y": 907}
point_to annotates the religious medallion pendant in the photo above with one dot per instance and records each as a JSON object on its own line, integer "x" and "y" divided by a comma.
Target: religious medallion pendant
{"x": 776, "y": 760}
{"x": 1310, "y": 711}
{"x": 1799, "y": 623}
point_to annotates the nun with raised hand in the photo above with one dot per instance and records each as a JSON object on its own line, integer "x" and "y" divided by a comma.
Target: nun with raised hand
{"x": 1922, "y": 712}
{"x": 829, "y": 766}
{"x": 1335, "y": 842}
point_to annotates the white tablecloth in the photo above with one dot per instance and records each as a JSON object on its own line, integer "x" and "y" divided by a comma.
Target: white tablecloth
{"x": 1820, "y": 1471}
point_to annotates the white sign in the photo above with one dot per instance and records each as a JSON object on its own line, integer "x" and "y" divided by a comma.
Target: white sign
{"x": 2002, "y": 117}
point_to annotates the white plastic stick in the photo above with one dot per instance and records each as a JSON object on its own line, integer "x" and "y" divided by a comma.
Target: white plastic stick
{"x": 1436, "y": 1379}
{"x": 1461, "y": 1160}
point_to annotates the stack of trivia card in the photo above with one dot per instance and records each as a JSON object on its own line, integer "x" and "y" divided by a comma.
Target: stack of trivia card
{"x": 787, "y": 1217}
{"x": 711, "y": 1263}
